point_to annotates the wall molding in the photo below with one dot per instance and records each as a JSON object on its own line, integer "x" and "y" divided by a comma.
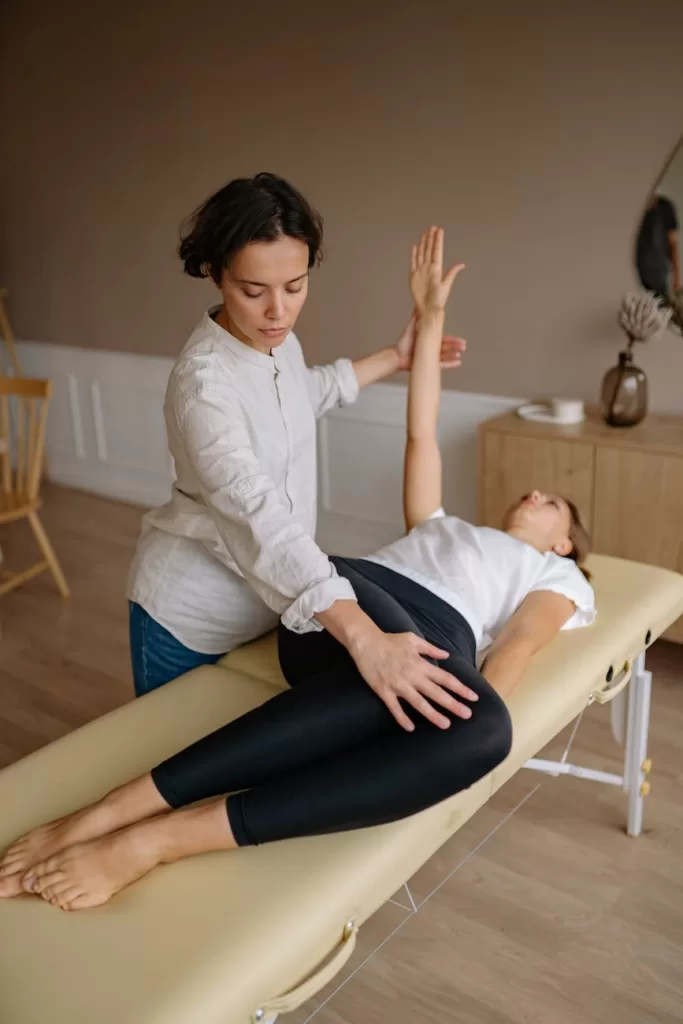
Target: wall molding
{"x": 106, "y": 434}
{"x": 106, "y": 431}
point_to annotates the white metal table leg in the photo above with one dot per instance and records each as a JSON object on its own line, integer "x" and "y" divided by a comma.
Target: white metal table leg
{"x": 619, "y": 716}
{"x": 635, "y": 753}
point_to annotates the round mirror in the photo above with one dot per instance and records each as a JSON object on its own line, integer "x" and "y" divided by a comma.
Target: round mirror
{"x": 658, "y": 248}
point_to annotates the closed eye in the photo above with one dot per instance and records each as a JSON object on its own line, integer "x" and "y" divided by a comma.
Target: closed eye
{"x": 290, "y": 291}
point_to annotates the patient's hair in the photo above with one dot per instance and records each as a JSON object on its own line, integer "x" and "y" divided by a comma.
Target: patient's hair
{"x": 259, "y": 209}
{"x": 578, "y": 535}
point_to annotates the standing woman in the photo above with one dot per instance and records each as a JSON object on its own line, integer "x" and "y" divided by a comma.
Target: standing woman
{"x": 233, "y": 550}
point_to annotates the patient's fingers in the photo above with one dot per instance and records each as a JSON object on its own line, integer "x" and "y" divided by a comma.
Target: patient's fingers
{"x": 452, "y": 274}
{"x": 437, "y": 246}
{"x": 423, "y": 248}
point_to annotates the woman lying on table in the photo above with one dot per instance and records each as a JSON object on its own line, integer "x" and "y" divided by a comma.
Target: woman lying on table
{"x": 332, "y": 753}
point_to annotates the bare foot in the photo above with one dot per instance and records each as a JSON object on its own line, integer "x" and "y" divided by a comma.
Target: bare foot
{"x": 47, "y": 840}
{"x": 89, "y": 874}
{"x": 133, "y": 802}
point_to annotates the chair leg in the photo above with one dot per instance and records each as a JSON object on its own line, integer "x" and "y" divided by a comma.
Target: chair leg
{"x": 11, "y": 580}
{"x": 50, "y": 557}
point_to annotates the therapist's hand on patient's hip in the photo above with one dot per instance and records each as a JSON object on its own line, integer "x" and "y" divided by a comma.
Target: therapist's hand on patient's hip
{"x": 395, "y": 666}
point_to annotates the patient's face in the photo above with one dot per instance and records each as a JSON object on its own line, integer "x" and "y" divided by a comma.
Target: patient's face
{"x": 263, "y": 291}
{"x": 545, "y": 517}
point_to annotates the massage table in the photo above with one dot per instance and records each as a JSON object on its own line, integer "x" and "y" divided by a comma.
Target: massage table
{"x": 244, "y": 936}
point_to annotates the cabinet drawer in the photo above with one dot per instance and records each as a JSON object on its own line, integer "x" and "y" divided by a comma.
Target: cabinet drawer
{"x": 511, "y": 466}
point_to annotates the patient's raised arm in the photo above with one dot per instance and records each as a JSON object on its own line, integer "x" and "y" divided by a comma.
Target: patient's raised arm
{"x": 430, "y": 288}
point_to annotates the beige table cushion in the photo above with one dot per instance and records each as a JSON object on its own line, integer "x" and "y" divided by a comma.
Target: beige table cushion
{"x": 210, "y": 939}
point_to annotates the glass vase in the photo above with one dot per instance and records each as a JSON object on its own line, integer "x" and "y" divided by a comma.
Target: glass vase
{"x": 623, "y": 398}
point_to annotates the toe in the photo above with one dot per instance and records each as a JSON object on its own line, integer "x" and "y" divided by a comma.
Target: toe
{"x": 10, "y": 867}
{"x": 46, "y": 867}
{"x": 10, "y": 887}
{"x": 68, "y": 897}
{"x": 52, "y": 885}
{"x": 16, "y": 847}
{"x": 82, "y": 902}
{"x": 11, "y": 862}
{"x": 31, "y": 880}
{"x": 28, "y": 882}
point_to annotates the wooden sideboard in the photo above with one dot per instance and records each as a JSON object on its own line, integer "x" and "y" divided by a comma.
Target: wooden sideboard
{"x": 626, "y": 481}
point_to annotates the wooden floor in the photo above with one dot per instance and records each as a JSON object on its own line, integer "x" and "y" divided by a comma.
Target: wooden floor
{"x": 65, "y": 662}
{"x": 539, "y": 911}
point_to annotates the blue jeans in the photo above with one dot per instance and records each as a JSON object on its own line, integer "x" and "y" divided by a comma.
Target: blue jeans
{"x": 156, "y": 656}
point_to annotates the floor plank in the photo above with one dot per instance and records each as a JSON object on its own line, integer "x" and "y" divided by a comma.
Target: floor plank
{"x": 63, "y": 663}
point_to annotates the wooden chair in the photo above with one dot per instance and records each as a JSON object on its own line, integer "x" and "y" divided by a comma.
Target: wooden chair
{"x": 9, "y": 359}
{"x": 23, "y": 413}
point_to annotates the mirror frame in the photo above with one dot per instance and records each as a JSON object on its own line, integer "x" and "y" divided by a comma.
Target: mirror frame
{"x": 676, "y": 322}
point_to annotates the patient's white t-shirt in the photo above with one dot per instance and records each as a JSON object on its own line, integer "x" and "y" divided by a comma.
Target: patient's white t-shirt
{"x": 484, "y": 574}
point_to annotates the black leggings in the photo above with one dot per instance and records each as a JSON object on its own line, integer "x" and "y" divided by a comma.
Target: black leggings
{"x": 327, "y": 755}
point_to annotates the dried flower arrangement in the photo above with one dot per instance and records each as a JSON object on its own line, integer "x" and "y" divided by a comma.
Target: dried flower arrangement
{"x": 642, "y": 317}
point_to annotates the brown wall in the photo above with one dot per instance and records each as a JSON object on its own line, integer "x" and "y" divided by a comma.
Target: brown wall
{"x": 531, "y": 130}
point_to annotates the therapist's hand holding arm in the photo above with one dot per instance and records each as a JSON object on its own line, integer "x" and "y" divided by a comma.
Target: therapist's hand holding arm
{"x": 390, "y": 360}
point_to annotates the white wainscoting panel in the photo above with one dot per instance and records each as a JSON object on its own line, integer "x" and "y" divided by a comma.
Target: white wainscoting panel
{"x": 106, "y": 429}
{"x": 106, "y": 434}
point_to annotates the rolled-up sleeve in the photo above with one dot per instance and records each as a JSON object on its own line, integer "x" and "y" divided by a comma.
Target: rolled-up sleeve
{"x": 332, "y": 385}
{"x": 270, "y": 547}
{"x": 564, "y": 577}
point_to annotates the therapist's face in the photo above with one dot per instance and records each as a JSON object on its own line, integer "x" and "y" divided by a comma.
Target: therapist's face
{"x": 263, "y": 291}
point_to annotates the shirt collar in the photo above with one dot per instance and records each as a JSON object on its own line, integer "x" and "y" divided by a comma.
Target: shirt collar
{"x": 242, "y": 351}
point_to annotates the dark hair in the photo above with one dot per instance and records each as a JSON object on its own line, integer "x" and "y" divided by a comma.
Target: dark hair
{"x": 578, "y": 535}
{"x": 259, "y": 209}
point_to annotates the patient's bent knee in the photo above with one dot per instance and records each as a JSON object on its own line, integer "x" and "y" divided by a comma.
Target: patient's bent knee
{"x": 496, "y": 728}
{"x": 468, "y": 753}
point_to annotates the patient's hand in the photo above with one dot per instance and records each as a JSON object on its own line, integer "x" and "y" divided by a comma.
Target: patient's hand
{"x": 452, "y": 348}
{"x": 429, "y": 286}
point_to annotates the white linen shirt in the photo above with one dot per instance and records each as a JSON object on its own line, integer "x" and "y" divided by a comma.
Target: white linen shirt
{"x": 233, "y": 549}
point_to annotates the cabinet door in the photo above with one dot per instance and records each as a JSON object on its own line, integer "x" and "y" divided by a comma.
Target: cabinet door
{"x": 639, "y": 510}
{"x": 511, "y": 466}
{"x": 639, "y": 506}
